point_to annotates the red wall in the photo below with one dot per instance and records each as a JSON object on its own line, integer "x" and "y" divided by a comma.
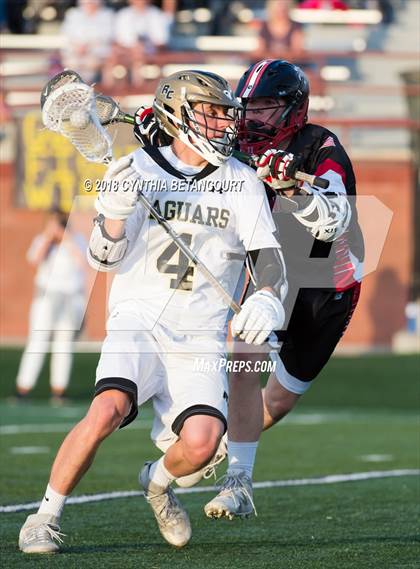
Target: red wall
{"x": 384, "y": 293}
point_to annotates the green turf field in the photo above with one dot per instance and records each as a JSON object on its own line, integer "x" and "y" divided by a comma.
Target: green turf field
{"x": 361, "y": 416}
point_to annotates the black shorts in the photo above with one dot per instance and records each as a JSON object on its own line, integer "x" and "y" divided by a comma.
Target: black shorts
{"x": 318, "y": 320}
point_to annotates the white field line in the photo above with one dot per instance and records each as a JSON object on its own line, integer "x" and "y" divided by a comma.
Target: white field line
{"x": 39, "y": 428}
{"x": 146, "y": 422}
{"x": 330, "y": 479}
{"x": 54, "y": 428}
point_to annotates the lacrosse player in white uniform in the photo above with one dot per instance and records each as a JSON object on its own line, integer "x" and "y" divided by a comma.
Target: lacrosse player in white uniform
{"x": 58, "y": 305}
{"x": 164, "y": 315}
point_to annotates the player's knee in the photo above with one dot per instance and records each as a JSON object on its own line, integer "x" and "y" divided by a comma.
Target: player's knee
{"x": 278, "y": 409}
{"x": 200, "y": 452}
{"x": 279, "y": 406}
{"x": 278, "y": 401}
{"x": 105, "y": 416}
{"x": 201, "y": 439}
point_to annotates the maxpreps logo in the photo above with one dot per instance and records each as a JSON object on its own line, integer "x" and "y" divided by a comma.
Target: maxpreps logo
{"x": 167, "y": 92}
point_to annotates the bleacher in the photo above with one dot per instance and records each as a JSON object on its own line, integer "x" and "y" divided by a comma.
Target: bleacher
{"x": 352, "y": 85}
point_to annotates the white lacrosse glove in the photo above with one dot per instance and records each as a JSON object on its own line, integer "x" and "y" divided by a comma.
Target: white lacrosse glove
{"x": 260, "y": 314}
{"x": 118, "y": 196}
{"x": 276, "y": 168}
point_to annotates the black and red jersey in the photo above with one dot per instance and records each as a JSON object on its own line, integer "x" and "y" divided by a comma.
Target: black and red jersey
{"x": 311, "y": 262}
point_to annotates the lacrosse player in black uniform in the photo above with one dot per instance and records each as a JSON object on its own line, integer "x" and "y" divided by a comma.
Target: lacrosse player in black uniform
{"x": 323, "y": 251}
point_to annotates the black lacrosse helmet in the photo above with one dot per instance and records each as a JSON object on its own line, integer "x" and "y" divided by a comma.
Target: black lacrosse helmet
{"x": 274, "y": 78}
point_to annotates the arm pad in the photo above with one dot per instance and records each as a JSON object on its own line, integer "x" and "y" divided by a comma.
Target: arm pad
{"x": 327, "y": 216}
{"x": 269, "y": 270}
{"x": 105, "y": 253}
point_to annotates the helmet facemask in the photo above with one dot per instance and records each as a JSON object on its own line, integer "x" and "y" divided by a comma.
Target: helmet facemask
{"x": 272, "y": 82}
{"x": 257, "y": 135}
{"x": 214, "y": 144}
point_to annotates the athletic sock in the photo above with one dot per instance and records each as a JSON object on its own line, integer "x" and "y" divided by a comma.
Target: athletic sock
{"x": 159, "y": 474}
{"x": 52, "y": 503}
{"x": 241, "y": 457}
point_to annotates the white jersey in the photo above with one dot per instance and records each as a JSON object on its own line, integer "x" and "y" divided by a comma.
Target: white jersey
{"x": 218, "y": 227}
{"x": 151, "y": 26}
{"x": 60, "y": 271}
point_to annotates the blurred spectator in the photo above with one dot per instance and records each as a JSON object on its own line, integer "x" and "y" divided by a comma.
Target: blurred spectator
{"x": 221, "y": 18}
{"x": 386, "y": 7}
{"x": 5, "y": 112}
{"x": 324, "y": 5}
{"x": 5, "y": 115}
{"x": 140, "y": 30}
{"x": 88, "y": 29}
{"x": 279, "y": 35}
{"x": 58, "y": 305}
{"x": 3, "y": 19}
{"x": 387, "y": 10}
{"x": 15, "y": 21}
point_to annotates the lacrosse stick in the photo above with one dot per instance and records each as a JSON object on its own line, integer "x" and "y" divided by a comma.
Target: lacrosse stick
{"x": 109, "y": 112}
{"x": 70, "y": 107}
{"x": 298, "y": 175}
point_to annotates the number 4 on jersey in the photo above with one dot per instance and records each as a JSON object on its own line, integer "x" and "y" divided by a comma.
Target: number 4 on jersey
{"x": 183, "y": 271}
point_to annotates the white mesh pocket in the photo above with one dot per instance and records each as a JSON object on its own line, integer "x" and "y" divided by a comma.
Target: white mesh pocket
{"x": 70, "y": 110}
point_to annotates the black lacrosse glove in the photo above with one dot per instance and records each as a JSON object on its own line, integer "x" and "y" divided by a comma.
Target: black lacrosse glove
{"x": 146, "y": 129}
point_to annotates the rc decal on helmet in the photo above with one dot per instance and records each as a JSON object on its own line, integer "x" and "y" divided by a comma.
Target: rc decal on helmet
{"x": 178, "y": 107}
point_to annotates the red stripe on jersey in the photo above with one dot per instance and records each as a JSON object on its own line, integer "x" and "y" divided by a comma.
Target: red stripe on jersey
{"x": 254, "y": 77}
{"x": 329, "y": 164}
{"x": 343, "y": 269}
{"x": 354, "y": 301}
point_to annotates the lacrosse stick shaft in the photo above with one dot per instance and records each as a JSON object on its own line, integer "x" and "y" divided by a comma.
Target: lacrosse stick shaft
{"x": 189, "y": 253}
{"x": 302, "y": 176}
{"x": 116, "y": 115}
{"x": 105, "y": 111}
{"x": 126, "y": 118}
{"x": 312, "y": 180}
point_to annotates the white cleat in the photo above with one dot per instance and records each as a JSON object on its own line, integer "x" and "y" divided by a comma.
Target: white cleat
{"x": 172, "y": 519}
{"x": 39, "y": 534}
{"x": 234, "y": 499}
{"x": 208, "y": 471}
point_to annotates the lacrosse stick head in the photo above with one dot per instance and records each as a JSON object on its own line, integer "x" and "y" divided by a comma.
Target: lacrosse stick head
{"x": 66, "y": 76}
{"x": 68, "y": 107}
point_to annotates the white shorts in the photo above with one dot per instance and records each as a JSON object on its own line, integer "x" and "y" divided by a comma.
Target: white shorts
{"x": 165, "y": 366}
{"x": 56, "y": 311}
